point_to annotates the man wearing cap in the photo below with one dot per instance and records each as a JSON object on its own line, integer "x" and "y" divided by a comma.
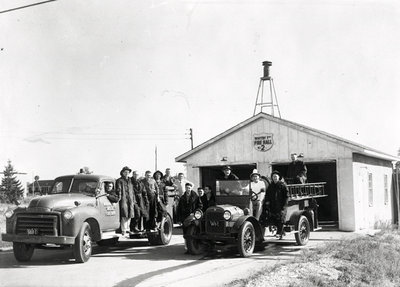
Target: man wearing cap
{"x": 228, "y": 174}
{"x": 258, "y": 188}
{"x": 124, "y": 187}
{"x": 275, "y": 203}
{"x": 151, "y": 188}
{"x": 297, "y": 170}
{"x": 188, "y": 203}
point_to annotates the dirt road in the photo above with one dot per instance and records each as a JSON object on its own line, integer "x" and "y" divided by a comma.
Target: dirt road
{"x": 135, "y": 263}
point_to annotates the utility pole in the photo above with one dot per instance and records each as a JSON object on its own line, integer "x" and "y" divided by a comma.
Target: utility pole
{"x": 191, "y": 137}
{"x": 155, "y": 159}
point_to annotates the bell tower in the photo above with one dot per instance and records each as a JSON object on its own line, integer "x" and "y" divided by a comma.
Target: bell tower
{"x": 270, "y": 100}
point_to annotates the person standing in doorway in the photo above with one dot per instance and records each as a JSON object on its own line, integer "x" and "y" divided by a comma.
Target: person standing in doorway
{"x": 228, "y": 174}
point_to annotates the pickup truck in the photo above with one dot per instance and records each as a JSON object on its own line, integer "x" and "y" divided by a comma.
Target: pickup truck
{"x": 75, "y": 214}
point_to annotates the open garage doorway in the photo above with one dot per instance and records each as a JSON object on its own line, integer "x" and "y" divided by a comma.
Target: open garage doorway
{"x": 209, "y": 174}
{"x": 321, "y": 172}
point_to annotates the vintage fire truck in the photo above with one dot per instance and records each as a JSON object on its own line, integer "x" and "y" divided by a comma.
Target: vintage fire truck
{"x": 76, "y": 213}
{"x": 230, "y": 222}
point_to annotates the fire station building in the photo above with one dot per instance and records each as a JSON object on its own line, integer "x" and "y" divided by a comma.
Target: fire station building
{"x": 358, "y": 179}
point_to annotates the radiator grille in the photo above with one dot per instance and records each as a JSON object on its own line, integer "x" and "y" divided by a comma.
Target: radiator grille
{"x": 215, "y": 223}
{"x": 37, "y": 224}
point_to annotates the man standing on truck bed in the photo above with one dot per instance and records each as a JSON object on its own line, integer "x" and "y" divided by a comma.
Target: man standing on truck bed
{"x": 297, "y": 170}
{"x": 124, "y": 187}
{"x": 275, "y": 203}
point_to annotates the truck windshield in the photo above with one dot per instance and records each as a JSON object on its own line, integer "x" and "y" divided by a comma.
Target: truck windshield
{"x": 83, "y": 186}
{"x": 232, "y": 187}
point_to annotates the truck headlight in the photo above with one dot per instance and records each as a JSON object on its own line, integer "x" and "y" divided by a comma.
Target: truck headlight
{"x": 9, "y": 213}
{"x": 68, "y": 215}
{"x": 227, "y": 215}
{"x": 198, "y": 214}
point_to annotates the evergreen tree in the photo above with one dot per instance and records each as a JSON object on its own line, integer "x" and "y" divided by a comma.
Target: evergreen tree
{"x": 11, "y": 188}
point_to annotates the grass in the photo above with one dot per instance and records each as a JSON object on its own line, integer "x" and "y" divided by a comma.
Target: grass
{"x": 362, "y": 261}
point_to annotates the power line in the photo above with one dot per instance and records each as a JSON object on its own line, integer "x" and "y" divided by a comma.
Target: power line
{"x": 26, "y": 6}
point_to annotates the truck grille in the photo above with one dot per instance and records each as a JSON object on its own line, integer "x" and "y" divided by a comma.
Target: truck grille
{"x": 215, "y": 223}
{"x": 37, "y": 224}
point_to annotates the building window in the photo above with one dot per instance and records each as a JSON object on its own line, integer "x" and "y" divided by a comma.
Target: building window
{"x": 386, "y": 189}
{"x": 370, "y": 190}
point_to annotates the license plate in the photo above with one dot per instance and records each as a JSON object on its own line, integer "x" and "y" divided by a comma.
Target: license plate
{"x": 32, "y": 231}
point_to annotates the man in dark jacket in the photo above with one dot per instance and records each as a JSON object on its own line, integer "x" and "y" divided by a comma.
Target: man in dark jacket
{"x": 275, "y": 203}
{"x": 228, "y": 174}
{"x": 188, "y": 203}
{"x": 297, "y": 170}
{"x": 151, "y": 188}
{"x": 127, "y": 203}
{"x": 112, "y": 195}
{"x": 208, "y": 199}
{"x": 141, "y": 213}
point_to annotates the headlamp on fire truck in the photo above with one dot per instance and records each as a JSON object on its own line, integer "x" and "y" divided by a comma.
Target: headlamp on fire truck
{"x": 9, "y": 213}
{"x": 198, "y": 214}
{"x": 227, "y": 215}
{"x": 68, "y": 215}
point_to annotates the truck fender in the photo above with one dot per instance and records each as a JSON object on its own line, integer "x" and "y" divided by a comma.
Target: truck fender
{"x": 295, "y": 216}
{"x": 82, "y": 214}
{"x": 254, "y": 221}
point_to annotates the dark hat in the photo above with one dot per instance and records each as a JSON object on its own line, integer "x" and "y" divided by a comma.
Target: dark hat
{"x": 188, "y": 184}
{"x": 154, "y": 174}
{"x": 255, "y": 172}
{"x": 126, "y": 168}
{"x": 276, "y": 172}
{"x": 226, "y": 167}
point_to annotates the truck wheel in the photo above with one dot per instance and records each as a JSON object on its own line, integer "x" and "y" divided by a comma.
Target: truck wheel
{"x": 303, "y": 228}
{"x": 108, "y": 242}
{"x": 194, "y": 246}
{"x": 83, "y": 244}
{"x": 23, "y": 252}
{"x": 163, "y": 236}
{"x": 246, "y": 239}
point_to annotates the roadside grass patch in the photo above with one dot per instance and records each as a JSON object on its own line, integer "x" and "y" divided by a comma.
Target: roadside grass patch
{"x": 361, "y": 261}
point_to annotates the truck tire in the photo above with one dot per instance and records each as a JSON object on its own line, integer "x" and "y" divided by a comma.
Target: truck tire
{"x": 303, "y": 228}
{"x": 164, "y": 234}
{"x": 83, "y": 244}
{"x": 246, "y": 239}
{"x": 23, "y": 252}
{"x": 194, "y": 246}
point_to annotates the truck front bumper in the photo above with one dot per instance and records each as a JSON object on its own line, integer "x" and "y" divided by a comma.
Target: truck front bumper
{"x": 34, "y": 239}
{"x": 227, "y": 238}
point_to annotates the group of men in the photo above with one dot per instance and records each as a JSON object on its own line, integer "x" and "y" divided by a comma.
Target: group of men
{"x": 143, "y": 201}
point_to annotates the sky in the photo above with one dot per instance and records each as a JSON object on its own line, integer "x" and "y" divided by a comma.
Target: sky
{"x": 104, "y": 83}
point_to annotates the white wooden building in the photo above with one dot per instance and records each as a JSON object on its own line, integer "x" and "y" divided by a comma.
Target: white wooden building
{"x": 359, "y": 179}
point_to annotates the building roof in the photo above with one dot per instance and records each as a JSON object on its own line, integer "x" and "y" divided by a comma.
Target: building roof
{"x": 352, "y": 145}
